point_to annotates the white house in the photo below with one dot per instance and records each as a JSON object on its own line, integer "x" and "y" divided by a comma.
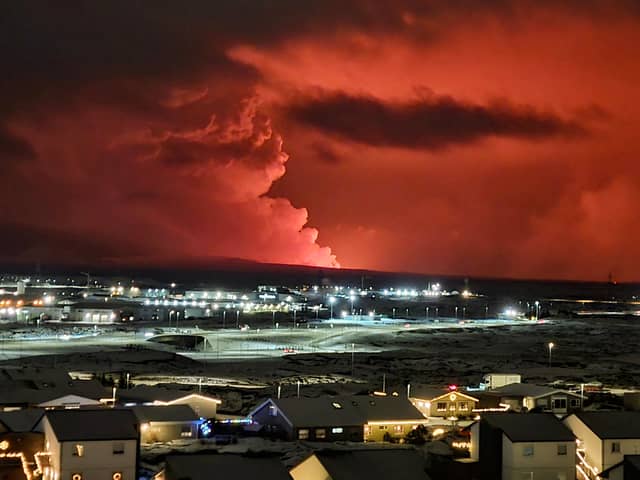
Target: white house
{"x": 532, "y": 446}
{"x": 528, "y": 396}
{"x": 90, "y": 444}
{"x": 604, "y": 438}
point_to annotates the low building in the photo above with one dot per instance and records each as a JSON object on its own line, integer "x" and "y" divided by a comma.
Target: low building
{"x": 513, "y": 446}
{"x": 206, "y": 466}
{"x": 496, "y": 380}
{"x": 90, "y": 444}
{"x": 399, "y": 464}
{"x": 166, "y": 423}
{"x": 204, "y": 405}
{"x": 604, "y": 438}
{"x": 451, "y": 403}
{"x": 353, "y": 418}
{"x": 627, "y": 469}
{"x": 523, "y": 397}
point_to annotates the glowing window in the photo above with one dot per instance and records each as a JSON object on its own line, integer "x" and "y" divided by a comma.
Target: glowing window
{"x": 303, "y": 434}
{"x": 336, "y": 405}
{"x": 273, "y": 411}
{"x": 321, "y": 433}
{"x": 397, "y": 428}
{"x": 78, "y": 450}
{"x": 336, "y": 430}
{"x": 442, "y": 406}
{"x": 464, "y": 406}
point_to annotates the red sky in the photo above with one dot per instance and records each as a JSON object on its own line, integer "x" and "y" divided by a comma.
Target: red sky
{"x": 494, "y": 138}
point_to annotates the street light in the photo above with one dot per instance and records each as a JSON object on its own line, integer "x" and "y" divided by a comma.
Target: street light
{"x": 426, "y": 313}
{"x": 537, "y": 310}
{"x": 352, "y": 299}
{"x": 171, "y": 313}
{"x": 332, "y": 300}
{"x": 237, "y": 318}
{"x": 394, "y": 312}
{"x": 550, "y": 345}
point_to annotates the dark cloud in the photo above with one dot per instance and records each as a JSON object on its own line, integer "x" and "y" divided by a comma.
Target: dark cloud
{"x": 432, "y": 123}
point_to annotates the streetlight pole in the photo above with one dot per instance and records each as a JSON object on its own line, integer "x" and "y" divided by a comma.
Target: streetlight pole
{"x": 352, "y": 299}
{"x": 332, "y": 300}
{"x": 426, "y": 313}
{"x": 537, "y": 310}
{"x": 550, "y": 345}
{"x": 224, "y": 319}
{"x": 237, "y": 318}
{"x": 394, "y": 312}
{"x": 171, "y": 313}
{"x": 273, "y": 319}
{"x": 294, "y": 316}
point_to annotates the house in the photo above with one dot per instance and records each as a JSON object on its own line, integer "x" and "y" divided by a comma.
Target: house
{"x": 399, "y": 464}
{"x": 205, "y": 466}
{"x": 522, "y": 397}
{"x": 354, "y": 418}
{"x": 512, "y": 446}
{"x": 495, "y": 380}
{"x": 204, "y": 405}
{"x": 90, "y": 444}
{"x": 440, "y": 403}
{"x": 19, "y": 443}
{"x": 627, "y": 469}
{"x": 604, "y": 438}
{"x": 166, "y": 423}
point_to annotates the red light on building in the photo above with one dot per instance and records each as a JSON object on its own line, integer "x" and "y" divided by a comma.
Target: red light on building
{"x": 453, "y": 388}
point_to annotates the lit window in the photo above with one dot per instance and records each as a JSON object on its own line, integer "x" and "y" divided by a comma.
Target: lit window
{"x": 559, "y": 403}
{"x": 118, "y": 448}
{"x": 78, "y": 450}
{"x": 336, "y": 405}
{"x": 397, "y": 428}
{"x": 321, "y": 433}
{"x": 562, "y": 449}
{"x": 464, "y": 406}
{"x": 442, "y": 406}
{"x": 336, "y": 430}
{"x": 273, "y": 411}
{"x": 303, "y": 434}
{"x": 615, "y": 447}
{"x": 382, "y": 427}
{"x": 186, "y": 431}
{"x": 527, "y": 450}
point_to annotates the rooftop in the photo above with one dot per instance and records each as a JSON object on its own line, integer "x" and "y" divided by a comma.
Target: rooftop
{"x": 527, "y": 390}
{"x": 203, "y": 466}
{"x": 530, "y": 427}
{"x": 165, "y": 413}
{"x": 21, "y": 421}
{"x": 612, "y": 424}
{"x": 93, "y": 425}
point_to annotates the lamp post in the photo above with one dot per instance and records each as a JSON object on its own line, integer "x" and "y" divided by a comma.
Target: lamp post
{"x": 394, "y": 312}
{"x": 550, "y": 345}
{"x": 426, "y": 313}
{"x": 332, "y": 300}
{"x": 273, "y": 318}
{"x": 177, "y": 318}
{"x": 352, "y": 299}
{"x": 224, "y": 319}
{"x": 237, "y": 318}
{"x": 456, "y": 313}
{"x": 171, "y": 313}
{"x": 537, "y": 310}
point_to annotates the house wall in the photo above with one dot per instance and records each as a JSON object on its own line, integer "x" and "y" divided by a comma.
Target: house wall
{"x": 474, "y": 449}
{"x": 310, "y": 469}
{"x": 627, "y": 447}
{"x": 376, "y": 432}
{"x": 99, "y": 462}
{"x": 545, "y": 463}
{"x": 152, "y": 432}
{"x": 353, "y": 433}
{"x": 454, "y": 406}
{"x": 590, "y": 441}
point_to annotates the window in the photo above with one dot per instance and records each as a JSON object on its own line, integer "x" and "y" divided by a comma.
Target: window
{"x": 321, "y": 433}
{"x": 527, "y": 450}
{"x": 382, "y": 427}
{"x": 397, "y": 428}
{"x": 185, "y": 431}
{"x": 336, "y": 430}
{"x": 118, "y": 448}
{"x": 273, "y": 411}
{"x": 78, "y": 450}
{"x": 303, "y": 434}
{"x": 463, "y": 406}
{"x": 574, "y": 402}
{"x": 562, "y": 449}
{"x": 336, "y": 405}
{"x": 559, "y": 403}
{"x": 615, "y": 447}
{"x": 442, "y": 406}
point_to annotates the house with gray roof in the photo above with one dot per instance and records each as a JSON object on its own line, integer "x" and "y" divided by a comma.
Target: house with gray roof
{"x": 207, "y": 465}
{"x": 527, "y": 397}
{"x": 604, "y": 438}
{"x": 355, "y": 418}
{"x": 513, "y": 446}
{"x": 90, "y": 444}
{"x": 163, "y": 423}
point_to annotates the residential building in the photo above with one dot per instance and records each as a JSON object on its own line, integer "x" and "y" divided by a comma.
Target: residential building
{"x": 19, "y": 443}
{"x": 204, "y": 405}
{"x": 604, "y": 438}
{"x": 354, "y": 418}
{"x": 166, "y": 423}
{"x": 206, "y": 466}
{"x": 523, "y": 397}
{"x": 534, "y": 446}
{"x": 399, "y": 464}
{"x": 451, "y": 403}
{"x": 496, "y": 380}
{"x": 90, "y": 444}
{"x": 627, "y": 469}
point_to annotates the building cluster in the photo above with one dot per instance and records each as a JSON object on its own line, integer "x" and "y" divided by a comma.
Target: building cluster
{"x": 53, "y": 427}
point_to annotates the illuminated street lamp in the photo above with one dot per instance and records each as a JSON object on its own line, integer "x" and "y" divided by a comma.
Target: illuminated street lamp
{"x": 550, "y": 345}
{"x": 332, "y": 300}
{"x": 537, "y": 310}
{"x": 171, "y": 313}
{"x": 393, "y": 312}
{"x": 426, "y": 313}
{"x": 352, "y": 299}
{"x": 237, "y": 318}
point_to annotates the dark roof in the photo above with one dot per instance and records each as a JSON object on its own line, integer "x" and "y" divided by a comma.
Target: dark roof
{"x": 399, "y": 464}
{"x": 612, "y": 424}
{"x": 346, "y": 410}
{"x": 527, "y": 390}
{"x": 165, "y": 413}
{"x": 104, "y": 424}
{"x": 148, "y": 393}
{"x": 530, "y": 427}
{"x": 206, "y": 466}
{"x": 21, "y": 421}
